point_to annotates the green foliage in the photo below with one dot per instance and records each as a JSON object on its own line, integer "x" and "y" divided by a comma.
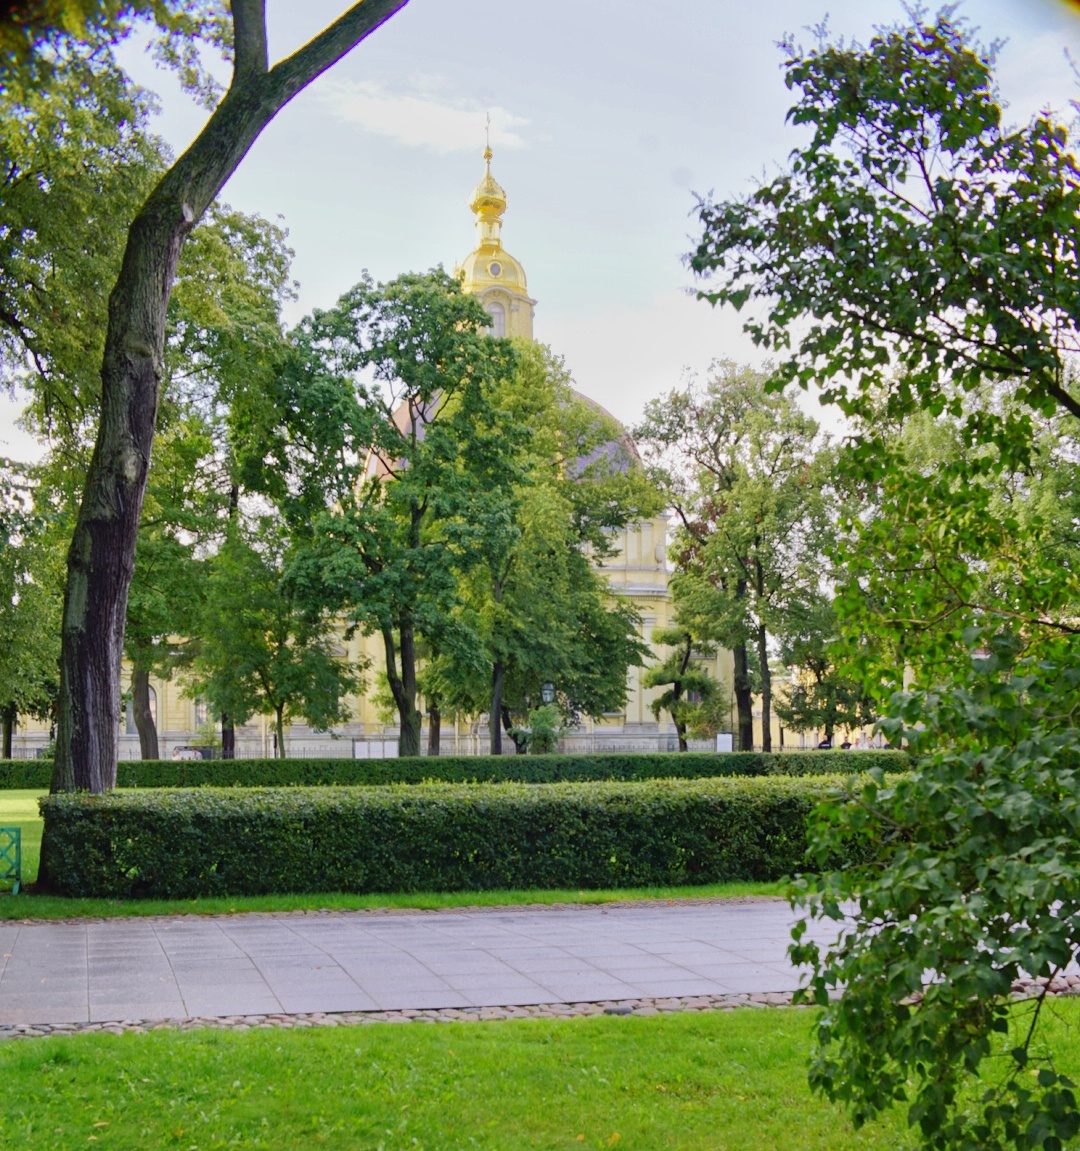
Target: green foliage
{"x": 914, "y": 232}
{"x": 31, "y": 597}
{"x": 76, "y": 158}
{"x": 929, "y": 256}
{"x": 692, "y": 688}
{"x": 378, "y": 470}
{"x": 443, "y": 512}
{"x": 530, "y": 592}
{"x": 428, "y": 837}
{"x": 821, "y": 695}
{"x": 264, "y": 648}
{"x": 751, "y": 487}
{"x": 37, "y": 37}
{"x": 544, "y": 730}
{"x": 977, "y": 881}
{"x": 19, "y": 773}
{"x": 947, "y": 537}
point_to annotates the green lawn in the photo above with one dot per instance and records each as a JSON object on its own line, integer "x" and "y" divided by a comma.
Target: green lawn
{"x": 695, "y": 1082}
{"x": 20, "y": 807}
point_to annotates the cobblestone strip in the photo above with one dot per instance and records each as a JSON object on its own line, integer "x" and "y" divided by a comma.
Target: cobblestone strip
{"x": 407, "y": 1015}
{"x": 1021, "y": 989}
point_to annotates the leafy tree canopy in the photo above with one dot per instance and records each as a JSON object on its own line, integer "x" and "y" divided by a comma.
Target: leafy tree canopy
{"x": 36, "y": 36}
{"x": 688, "y": 687}
{"x": 31, "y": 596}
{"x": 915, "y": 231}
{"x": 264, "y": 648}
{"x": 749, "y": 481}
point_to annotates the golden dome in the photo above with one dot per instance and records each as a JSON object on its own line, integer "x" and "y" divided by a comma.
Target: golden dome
{"x": 488, "y": 200}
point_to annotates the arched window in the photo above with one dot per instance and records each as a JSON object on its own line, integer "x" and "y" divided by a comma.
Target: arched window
{"x": 129, "y": 714}
{"x": 498, "y": 318}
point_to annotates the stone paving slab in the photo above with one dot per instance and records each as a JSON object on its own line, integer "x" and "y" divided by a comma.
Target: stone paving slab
{"x": 296, "y": 965}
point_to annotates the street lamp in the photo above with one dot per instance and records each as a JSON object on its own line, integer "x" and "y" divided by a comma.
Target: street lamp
{"x": 547, "y": 692}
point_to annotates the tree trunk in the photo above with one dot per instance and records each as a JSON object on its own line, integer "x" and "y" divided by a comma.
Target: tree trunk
{"x": 102, "y": 555}
{"x": 498, "y": 675}
{"x": 676, "y": 693}
{"x": 228, "y": 738}
{"x": 744, "y": 699}
{"x": 7, "y": 718}
{"x": 403, "y": 686}
{"x": 141, "y": 713}
{"x": 228, "y": 728}
{"x": 279, "y": 733}
{"x": 766, "y": 689}
{"x": 521, "y": 742}
{"x": 434, "y": 731}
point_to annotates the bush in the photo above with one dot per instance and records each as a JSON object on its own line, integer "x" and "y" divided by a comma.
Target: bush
{"x": 431, "y": 837}
{"x": 25, "y": 773}
{"x": 494, "y": 768}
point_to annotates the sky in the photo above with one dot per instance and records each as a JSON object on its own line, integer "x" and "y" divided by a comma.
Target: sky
{"x": 609, "y": 118}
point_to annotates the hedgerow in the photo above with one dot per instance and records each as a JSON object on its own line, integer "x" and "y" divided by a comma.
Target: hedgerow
{"x": 432, "y": 836}
{"x": 465, "y": 768}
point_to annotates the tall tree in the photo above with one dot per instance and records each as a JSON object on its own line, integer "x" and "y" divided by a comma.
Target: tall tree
{"x": 544, "y": 488}
{"x": 742, "y": 469}
{"x": 101, "y": 560}
{"x": 822, "y": 694}
{"x": 927, "y": 252}
{"x": 224, "y": 340}
{"x": 264, "y": 648}
{"x": 371, "y": 467}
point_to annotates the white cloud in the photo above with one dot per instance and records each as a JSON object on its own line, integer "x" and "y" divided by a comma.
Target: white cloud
{"x": 420, "y": 120}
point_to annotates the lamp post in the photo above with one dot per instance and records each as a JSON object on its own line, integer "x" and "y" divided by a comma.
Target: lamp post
{"x": 547, "y": 692}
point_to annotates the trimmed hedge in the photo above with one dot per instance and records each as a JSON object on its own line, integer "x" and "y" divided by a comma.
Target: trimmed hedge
{"x": 431, "y": 837}
{"x": 25, "y": 773}
{"x": 466, "y": 768}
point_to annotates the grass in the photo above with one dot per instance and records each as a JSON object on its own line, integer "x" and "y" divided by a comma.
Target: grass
{"x": 20, "y": 808}
{"x": 693, "y": 1082}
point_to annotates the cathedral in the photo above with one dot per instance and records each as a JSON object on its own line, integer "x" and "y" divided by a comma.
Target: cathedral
{"x": 637, "y": 571}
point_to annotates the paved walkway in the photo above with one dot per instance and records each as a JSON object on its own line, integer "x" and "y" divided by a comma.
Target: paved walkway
{"x": 244, "y": 965}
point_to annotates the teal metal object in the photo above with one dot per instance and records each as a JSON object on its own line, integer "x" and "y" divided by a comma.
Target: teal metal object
{"x": 11, "y": 855}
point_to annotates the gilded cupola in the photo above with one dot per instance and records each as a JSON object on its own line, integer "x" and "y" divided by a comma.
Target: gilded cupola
{"x": 489, "y": 271}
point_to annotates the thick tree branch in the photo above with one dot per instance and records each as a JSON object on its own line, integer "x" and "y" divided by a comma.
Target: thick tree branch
{"x": 295, "y": 72}
{"x": 250, "y": 54}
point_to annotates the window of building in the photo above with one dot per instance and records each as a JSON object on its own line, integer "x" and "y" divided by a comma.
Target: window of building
{"x": 202, "y": 712}
{"x": 129, "y": 714}
{"x": 498, "y": 318}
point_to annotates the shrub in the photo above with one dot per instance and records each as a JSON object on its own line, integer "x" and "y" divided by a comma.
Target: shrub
{"x": 495, "y": 768}
{"x": 25, "y": 773}
{"x": 435, "y": 836}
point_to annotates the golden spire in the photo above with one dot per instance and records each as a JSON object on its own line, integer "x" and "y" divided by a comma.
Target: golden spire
{"x": 489, "y": 271}
{"x": 488, "y": 201}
